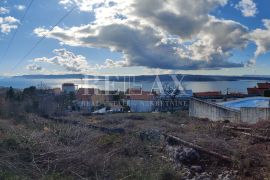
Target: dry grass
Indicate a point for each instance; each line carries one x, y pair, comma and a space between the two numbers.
45, 150
42, 149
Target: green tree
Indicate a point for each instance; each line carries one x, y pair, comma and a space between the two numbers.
267, 93
30, 92
10, 94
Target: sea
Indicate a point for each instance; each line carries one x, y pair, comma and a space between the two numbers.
223, 86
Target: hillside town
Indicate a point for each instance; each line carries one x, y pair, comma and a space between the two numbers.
91, 100
137, 100
182, 135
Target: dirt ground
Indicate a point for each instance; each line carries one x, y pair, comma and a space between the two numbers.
132, 146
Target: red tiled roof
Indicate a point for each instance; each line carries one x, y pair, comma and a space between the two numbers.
208, 94
264, 85
256, 91
87, 91
85, 94
138, 94
134, 91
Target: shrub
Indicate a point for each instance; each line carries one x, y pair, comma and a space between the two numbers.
267, 93
10, 144
8, 176
136, 117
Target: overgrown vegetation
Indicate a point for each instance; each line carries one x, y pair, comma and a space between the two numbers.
62, 151
16, 104
33, 146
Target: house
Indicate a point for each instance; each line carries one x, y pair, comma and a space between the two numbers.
99, 99
256, 91
57, 91
140, 101
263, 85
87, 91
259, 90
68, 88
84, 102
89, 99
84, 98
177, 100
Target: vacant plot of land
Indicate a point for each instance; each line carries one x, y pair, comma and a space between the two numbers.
132, 146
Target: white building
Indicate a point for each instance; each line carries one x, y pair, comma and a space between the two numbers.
140, 101
140, 105
68, 87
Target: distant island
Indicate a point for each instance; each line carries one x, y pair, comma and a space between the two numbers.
165, 77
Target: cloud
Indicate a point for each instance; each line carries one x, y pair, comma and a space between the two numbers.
217, 39
261, 37
247, 7
84, 5
73, 63
20, 7
251, 63
109, 63
177, 35
67, 60
8, 23
4, 10
180, 17
34, 67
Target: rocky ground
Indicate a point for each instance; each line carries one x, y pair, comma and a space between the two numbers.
132, 146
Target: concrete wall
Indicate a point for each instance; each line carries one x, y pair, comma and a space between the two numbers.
254, 115
211, 111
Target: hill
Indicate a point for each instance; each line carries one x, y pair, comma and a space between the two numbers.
166, 77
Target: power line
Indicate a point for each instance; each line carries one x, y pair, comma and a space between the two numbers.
15, 32
42, 38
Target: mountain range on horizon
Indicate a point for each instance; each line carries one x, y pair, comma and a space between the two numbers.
163, 77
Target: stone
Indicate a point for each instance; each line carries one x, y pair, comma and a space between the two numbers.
196, 169
150, 135
187, 155
227, 175
203, 176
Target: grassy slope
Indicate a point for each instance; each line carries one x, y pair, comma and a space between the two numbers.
38, 148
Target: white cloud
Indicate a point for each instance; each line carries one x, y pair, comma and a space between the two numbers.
159, 34
247, 7
84, 5
109, 63
20, 7
251, 63
217, 39
34, 67
179, 17
261, 37
8, 23
72, 63
4, 10
67, 60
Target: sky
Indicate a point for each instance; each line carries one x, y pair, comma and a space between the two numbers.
135, 37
